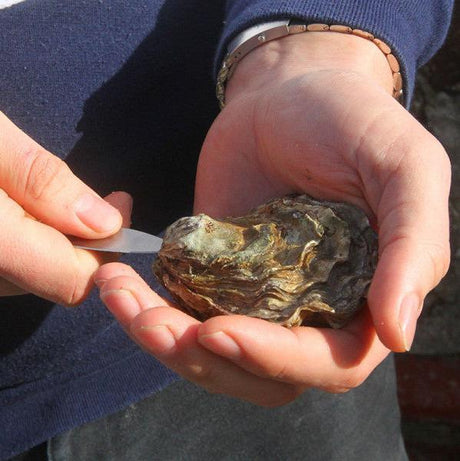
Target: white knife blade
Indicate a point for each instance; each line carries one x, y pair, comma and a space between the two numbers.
124, 241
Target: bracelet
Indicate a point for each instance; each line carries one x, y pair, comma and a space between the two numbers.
262, 33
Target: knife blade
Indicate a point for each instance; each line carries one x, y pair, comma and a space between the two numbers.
124, 241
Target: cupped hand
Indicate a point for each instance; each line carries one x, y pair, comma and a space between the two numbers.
338, 134
40, 202
300, 120
247, 358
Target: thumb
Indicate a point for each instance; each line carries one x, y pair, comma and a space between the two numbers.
46, 188
414, 243
123, 202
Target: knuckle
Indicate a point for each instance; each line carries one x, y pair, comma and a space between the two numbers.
77, 294
75, 291
45, 174
281, 374
72, 300
435, 146
444, 263
439, 256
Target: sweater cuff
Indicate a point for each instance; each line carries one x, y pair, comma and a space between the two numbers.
414, 29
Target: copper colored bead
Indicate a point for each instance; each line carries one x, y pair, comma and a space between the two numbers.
231, 61
397, 94
363, 34
394, 64
317, 27
382, 45
339, 28
397, 81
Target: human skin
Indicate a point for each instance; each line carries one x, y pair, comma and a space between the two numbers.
308, 113
41, 201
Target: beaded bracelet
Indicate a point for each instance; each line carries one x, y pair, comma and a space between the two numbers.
258, 35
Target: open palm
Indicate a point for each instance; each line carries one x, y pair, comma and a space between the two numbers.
315, 134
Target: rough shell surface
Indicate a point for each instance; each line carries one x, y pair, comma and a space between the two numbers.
293, 261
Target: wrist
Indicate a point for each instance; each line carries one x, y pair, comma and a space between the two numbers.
300, 54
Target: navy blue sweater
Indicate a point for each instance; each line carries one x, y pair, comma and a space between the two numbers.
124, 91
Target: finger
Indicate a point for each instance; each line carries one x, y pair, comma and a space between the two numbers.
88, 260
125, 292
114, 269
301, 357
123, 202
170, 335
40, 260
46, 188
317, 357
413, 239
405, 175
10, 289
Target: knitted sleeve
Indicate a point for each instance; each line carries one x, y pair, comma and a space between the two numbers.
414, 29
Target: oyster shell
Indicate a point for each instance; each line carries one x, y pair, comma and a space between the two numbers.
293, 261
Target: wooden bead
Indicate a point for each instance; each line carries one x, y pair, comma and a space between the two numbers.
363, 34
230, 62
397, 94
394, 64
342, 29
384, 48
317, 27
397, 81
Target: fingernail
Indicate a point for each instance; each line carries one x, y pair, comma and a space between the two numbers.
222, 344
408, 315
158, 339
99, 282
122, 303
96, 213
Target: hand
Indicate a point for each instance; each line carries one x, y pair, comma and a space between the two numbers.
247, 358
323, 122
304, 116
40, 201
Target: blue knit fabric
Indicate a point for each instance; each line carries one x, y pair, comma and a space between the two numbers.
414, 29
124, 92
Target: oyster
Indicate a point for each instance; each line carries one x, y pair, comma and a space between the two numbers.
293, 261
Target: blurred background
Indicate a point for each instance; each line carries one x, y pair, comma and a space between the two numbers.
429, 376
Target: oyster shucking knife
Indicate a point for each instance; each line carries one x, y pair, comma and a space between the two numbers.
124, 241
